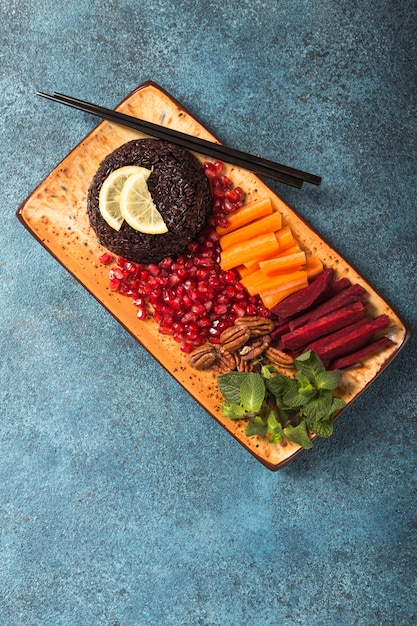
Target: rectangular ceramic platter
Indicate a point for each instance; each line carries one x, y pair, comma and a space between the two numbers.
55, 213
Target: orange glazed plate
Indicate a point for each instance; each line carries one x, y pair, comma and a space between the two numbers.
55, 213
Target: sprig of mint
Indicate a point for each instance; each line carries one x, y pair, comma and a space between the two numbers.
281, 407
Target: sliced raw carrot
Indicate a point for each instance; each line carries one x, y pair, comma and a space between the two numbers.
243, 271
247, 213
313, 267
254, 265
253, 281
258, 282
285, 238
248, 251
292, 250
267, 224
286, 263
273, 294
271, 300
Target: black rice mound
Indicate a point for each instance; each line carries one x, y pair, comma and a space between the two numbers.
179, 188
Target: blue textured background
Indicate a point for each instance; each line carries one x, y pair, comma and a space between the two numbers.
122, 503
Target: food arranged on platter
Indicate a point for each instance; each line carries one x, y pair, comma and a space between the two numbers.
192, 305
230, 283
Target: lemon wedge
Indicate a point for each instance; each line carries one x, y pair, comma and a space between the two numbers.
138, 208
109, 197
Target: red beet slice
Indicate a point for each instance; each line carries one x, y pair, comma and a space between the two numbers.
354, 293
280, 330
355, 358
336, 287
323, 326
304, 298
349, 339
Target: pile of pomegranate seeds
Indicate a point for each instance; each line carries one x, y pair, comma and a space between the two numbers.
191, 298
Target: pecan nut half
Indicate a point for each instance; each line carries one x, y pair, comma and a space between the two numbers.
226, 361
244, 366
203, 357
234, 337
278, 357
257, 325
255, 349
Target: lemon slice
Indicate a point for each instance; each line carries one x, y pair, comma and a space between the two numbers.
109, 197
138, 208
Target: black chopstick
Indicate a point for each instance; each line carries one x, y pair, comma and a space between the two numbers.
186, 141
281, 173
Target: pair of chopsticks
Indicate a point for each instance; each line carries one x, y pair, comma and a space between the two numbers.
275, 171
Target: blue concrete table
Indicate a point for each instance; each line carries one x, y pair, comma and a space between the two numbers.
122, 502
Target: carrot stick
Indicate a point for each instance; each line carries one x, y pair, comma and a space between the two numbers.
272, 295
286, 263
258, 282
313, 267
267, 224
248, 251
254, 265
271, 300
285, 238
247, 213
252, 282
243, 270
292, 250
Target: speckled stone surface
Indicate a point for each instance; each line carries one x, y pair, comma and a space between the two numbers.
122, 503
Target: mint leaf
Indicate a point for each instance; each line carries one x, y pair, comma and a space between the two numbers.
252, 392
274, 426
337, 404
276, 438
256, 426
233, 411
229, 386
267, 371
324, 428
298, 434
328, 380
318, 408
297, 396
309, 365
279, 386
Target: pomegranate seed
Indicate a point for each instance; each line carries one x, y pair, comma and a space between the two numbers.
131, 268
116, 273
166, 263
105, 258
165, 329
210, 170
154, 269
114, 284
220, 309
221, 221
189, 317
239, 310
218, 166
186, 347
225, 182
218, 192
